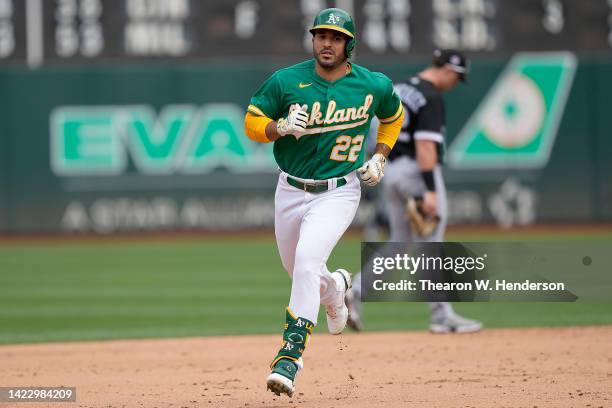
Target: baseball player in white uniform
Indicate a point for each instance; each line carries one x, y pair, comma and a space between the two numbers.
414, 171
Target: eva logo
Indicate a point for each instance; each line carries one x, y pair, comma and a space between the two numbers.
179, 139
333, 19
516, 124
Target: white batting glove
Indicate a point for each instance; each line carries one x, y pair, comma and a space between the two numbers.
373, 170
295, 123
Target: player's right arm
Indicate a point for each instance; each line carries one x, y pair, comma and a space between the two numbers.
263, 122
261, 128
263, 111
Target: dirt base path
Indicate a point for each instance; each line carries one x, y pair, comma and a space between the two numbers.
567, 367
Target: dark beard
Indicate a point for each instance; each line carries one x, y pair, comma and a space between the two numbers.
328, 66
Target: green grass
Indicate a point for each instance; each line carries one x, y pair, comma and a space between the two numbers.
134, 289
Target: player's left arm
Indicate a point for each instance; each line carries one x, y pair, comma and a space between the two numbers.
428, 134
390, 114
388, 131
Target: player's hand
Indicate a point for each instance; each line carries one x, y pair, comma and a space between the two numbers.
295, 123
430, 203
373, 170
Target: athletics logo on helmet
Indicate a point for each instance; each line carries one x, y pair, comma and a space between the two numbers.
338, 20
333, 19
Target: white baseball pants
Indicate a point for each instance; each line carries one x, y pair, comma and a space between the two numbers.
307, 227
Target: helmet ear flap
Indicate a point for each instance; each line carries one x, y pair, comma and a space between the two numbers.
350, 47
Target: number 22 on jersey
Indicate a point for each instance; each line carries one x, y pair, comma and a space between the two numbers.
344, 143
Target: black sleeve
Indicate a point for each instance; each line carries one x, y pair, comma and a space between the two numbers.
429, 124
430, 117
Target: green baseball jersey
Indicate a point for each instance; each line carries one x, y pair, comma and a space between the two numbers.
339, 112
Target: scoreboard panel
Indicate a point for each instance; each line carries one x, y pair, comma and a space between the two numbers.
38, 32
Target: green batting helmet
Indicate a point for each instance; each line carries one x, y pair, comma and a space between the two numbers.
338, 20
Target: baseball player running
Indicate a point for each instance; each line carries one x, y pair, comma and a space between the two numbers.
414, 191
318, 115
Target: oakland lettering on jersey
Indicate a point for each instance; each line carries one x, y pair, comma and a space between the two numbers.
333, 115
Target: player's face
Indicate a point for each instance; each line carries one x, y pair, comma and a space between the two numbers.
328, 48
450, 79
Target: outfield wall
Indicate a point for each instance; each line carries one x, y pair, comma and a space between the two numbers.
162, 147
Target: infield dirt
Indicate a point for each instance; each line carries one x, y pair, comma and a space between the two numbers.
540, 367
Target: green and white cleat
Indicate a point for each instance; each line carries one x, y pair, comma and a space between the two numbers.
282, 378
